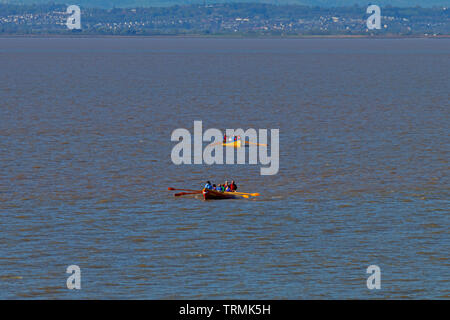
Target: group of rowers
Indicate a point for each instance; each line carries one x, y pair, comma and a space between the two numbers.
234, 138
226, 187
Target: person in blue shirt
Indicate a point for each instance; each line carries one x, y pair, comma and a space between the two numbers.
208, 185
214, 187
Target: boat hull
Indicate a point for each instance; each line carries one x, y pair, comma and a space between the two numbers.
216, 195
233, 144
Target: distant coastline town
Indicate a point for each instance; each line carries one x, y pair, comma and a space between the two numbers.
236, 19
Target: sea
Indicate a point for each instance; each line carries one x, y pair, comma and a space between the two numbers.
86, 163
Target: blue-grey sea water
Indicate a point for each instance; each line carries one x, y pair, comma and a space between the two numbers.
85, 163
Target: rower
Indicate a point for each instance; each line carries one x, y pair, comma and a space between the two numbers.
233, 186
208, 185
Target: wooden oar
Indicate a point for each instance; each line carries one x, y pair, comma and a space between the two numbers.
172, 189
199, 191
184, 193
258, 144
214, 144
250, 194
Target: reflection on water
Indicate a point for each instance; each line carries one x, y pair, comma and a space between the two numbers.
85, 163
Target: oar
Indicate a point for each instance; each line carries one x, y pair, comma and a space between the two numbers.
184, 193
250, 194
172, 189
214, 144
258, 144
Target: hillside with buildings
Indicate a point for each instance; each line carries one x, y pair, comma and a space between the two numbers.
244, 19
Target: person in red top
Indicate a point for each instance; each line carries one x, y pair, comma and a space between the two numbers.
233, 186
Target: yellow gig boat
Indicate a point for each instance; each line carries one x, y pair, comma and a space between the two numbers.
235, 144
